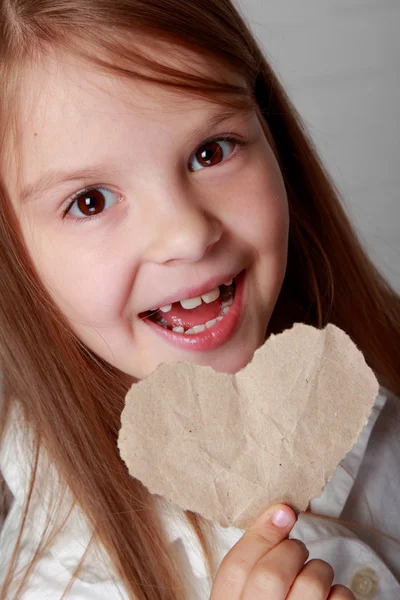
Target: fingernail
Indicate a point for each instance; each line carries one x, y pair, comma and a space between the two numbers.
282, 518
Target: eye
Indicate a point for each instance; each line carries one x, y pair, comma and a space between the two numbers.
212, 153
91, 202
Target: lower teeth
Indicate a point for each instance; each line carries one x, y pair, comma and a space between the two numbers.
208, 325
202, 327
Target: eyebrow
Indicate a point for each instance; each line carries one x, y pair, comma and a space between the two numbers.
238, 113
52, 178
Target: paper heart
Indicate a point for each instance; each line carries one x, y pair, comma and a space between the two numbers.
227, 446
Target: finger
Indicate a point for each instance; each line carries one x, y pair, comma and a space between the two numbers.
275, 573
266, 533
313, 582
340, 592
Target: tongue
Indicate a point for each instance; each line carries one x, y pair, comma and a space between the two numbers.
183, 317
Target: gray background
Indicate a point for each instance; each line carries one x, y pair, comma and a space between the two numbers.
340, 62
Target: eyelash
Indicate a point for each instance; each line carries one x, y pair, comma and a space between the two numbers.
239, 143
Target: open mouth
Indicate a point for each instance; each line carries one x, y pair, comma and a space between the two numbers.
195, 315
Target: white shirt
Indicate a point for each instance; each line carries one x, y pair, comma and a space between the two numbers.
365, 488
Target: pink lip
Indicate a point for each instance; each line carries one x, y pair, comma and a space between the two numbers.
211, 338
193, 292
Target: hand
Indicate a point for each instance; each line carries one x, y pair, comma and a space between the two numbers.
265, 565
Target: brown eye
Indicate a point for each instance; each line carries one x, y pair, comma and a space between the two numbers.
92, 202
212, 153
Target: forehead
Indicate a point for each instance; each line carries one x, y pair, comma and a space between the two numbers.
68, 108
69, 87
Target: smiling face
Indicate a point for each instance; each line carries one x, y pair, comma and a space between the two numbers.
176, 207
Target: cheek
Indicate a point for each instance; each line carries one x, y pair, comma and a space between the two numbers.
264, 223
89, 286
258, 209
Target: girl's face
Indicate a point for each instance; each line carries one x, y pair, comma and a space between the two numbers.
183, 197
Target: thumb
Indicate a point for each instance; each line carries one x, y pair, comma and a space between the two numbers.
265, 533
272, 526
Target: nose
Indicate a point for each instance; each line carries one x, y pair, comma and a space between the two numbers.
181, 229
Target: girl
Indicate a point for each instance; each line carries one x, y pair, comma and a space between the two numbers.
149, 156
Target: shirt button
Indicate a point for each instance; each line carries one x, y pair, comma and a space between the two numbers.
364, 584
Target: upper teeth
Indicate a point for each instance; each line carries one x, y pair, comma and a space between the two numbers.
207, 298
194, 302
166, 308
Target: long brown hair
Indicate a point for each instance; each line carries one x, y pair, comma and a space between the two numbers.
72, 399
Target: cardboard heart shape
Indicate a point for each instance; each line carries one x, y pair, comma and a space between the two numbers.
227, 446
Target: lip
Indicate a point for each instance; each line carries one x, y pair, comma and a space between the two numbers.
193, 292
212, 338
